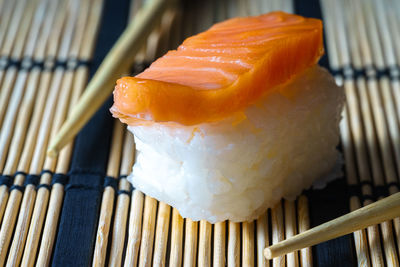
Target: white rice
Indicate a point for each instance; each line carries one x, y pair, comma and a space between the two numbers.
237, 169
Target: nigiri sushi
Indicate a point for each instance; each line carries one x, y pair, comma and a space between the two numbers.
236, 118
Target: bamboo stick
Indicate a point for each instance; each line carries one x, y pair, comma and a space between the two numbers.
117, 61
219, 244
160, 242
190, 246
8, 77
149, 221
107, 203
303, 219
119, 227
360, 237
175, 258
262, 239
374, 213
248, 244
123, 200
7, 11
278, 232
233, 244
9, 219
12, 114
134, 231
292, 259
204, 254
18, 26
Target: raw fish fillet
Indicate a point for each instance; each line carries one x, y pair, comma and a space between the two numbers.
220, 71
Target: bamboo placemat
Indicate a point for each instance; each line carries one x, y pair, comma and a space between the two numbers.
79, 209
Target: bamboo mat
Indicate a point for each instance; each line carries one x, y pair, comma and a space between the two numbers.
79, 209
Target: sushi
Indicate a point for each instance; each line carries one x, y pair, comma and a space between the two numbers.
236, 118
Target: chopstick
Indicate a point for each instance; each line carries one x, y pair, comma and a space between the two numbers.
117, 61
377, 212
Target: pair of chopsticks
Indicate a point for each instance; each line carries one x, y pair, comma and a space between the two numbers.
120, 59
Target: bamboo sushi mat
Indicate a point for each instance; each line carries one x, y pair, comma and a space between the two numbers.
79, 209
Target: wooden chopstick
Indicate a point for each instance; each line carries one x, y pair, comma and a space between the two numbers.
380, 211
117, 61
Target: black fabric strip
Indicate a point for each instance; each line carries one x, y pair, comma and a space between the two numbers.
26, 64
368, 183
74, 63
17, 187
59, 178
368, 72
139, 67
32, 179
396, 184
20, 173
13, 63
46, 171
123, 176
125, 192
380, 191
3, 62
6, 180
79, 216
60, 64
50, 63
354, 190
47, 186
111, 181
336, 72
369, 197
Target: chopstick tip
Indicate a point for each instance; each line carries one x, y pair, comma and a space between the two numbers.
268, 253
52, 152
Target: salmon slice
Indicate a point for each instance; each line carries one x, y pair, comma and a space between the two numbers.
221, 71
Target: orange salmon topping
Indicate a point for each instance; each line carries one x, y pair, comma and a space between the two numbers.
221, 71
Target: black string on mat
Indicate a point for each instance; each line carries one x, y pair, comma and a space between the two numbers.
6, 180
47, 186
20, 188
368, 72
32, 179
395, 184
60, 178
124, 192
111, 181
50, 63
